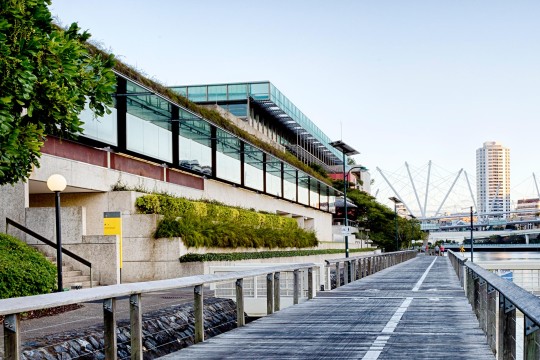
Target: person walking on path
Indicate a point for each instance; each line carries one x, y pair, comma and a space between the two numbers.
437, 250
442, 250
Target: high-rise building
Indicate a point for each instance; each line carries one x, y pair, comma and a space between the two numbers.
493, 178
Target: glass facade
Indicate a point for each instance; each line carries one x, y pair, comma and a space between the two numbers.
167, 133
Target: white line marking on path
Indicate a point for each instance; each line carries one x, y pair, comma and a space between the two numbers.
380, 342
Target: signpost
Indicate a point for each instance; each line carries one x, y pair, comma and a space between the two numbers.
112, 225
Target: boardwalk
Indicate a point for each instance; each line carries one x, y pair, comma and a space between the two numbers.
414, 310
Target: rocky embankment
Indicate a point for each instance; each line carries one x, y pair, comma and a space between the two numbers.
165, 331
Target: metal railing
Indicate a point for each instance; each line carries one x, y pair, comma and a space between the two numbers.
357, 267
50, 243
12, 308
499, 322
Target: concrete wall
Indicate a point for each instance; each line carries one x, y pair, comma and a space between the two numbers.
13, 201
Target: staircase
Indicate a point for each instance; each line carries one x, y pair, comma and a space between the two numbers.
73, 279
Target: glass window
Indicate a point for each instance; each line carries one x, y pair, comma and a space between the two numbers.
289, 183
313, 193
239, 110
217, 93
324, 197
259, 91
303, 188
197, 93
238, 92
104, 128
148, 125
195, 148
273, 176
253, 167
228, 157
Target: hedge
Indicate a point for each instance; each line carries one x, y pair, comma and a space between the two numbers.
261, 255
23, 270
212, 224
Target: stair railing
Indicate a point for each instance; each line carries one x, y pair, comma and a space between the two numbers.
50, 243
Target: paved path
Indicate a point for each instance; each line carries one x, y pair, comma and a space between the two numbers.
414, 310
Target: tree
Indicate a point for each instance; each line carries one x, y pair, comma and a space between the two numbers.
47, 75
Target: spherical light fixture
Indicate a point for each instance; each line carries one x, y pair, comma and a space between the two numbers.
56, 183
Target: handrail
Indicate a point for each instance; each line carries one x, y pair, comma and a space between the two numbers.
48, 242
333, 261
12, 308
482, 287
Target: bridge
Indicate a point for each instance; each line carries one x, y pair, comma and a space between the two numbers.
391, 306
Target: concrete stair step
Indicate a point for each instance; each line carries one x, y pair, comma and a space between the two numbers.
75, 279
80, 285
71, 273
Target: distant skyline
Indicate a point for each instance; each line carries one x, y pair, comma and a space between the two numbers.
408, 80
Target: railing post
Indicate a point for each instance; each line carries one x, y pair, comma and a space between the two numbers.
296, 286
482, 305
338, 275
328, 279
135, 319
491, 318
12, 337
109, 331
198, 313
269, 294
530, 340
361, 268
346, 268
240, 316
368, 272
357, 269
507, 329
277, 292
310, 283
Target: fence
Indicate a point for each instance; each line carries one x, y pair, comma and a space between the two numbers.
357, 267
485, 291
12, 308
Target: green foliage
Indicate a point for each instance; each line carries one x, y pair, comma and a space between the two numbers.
380, 219
212, 224
23, 270
46, 76
261, 255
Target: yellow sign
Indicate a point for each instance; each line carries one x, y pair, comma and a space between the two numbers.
462, 249
112, 225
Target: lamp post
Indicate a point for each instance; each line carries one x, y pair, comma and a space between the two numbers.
346, 150
472, 240
57, 183
396, 201
413, 218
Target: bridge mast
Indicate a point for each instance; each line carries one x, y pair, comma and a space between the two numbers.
427, 189
470, 190
536, 184
394, 190
448, 193
414, 188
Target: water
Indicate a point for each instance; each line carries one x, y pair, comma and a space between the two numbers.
504, 255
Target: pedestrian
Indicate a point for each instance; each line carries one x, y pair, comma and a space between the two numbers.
427, 249
442, 250
437, 250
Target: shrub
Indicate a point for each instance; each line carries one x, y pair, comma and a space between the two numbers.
212, 224
23, 270
261, 255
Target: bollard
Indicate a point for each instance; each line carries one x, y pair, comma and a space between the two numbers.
311, 293
276, 292
296, 286
338, 275
198, 313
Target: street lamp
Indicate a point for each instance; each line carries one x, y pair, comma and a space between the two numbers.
396, 201
472, 240
413, 218
346, 150
57, 183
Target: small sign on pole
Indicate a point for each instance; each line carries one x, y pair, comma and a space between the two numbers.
346, 230
112, 225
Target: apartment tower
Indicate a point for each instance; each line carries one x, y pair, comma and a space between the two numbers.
493, 179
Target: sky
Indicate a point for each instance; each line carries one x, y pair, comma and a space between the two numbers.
398, 80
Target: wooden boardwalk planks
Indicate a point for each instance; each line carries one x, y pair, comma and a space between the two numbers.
378, 317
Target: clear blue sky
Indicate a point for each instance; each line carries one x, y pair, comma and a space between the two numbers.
408, 80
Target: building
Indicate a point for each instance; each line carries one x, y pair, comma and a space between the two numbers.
528, 208
269, 115
155, 141
493, 179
